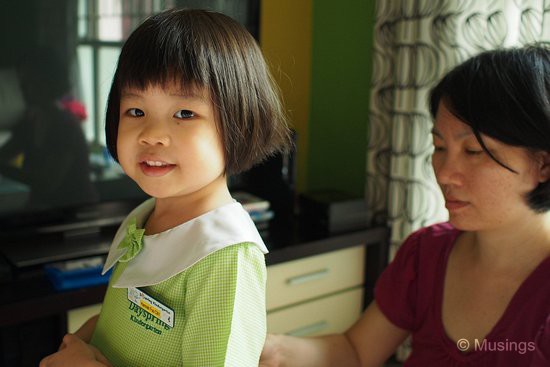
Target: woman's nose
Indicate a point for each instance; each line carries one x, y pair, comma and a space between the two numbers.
448, 171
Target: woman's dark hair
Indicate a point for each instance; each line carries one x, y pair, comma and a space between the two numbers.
204, 50
503, 94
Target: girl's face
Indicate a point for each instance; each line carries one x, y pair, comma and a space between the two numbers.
479, 193
168, 141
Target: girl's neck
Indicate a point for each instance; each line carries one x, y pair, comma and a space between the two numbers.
173, 211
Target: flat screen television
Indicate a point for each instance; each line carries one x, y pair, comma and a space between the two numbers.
57, 182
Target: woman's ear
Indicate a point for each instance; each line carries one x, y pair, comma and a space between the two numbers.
544, 165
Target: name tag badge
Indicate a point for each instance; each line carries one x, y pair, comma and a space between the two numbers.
151, 305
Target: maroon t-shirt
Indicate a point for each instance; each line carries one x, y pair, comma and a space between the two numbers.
410, 294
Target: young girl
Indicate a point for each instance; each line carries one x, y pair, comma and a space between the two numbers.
475, 291
191, 102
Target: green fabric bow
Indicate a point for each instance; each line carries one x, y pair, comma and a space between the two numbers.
133, 241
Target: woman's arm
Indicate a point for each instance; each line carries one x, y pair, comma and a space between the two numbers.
370, 342
289, 351
87, 329
375, 338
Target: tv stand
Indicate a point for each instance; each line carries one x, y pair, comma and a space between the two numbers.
36, 252
38, 313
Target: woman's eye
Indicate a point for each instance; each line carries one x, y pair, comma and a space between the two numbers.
135, 112
473, 152
439, 149
184, 114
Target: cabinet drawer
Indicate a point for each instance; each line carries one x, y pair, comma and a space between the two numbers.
314, 276
332, 314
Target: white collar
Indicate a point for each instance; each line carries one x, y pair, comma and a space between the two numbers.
168, 253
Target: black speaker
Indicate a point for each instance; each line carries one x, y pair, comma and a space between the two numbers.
273, 180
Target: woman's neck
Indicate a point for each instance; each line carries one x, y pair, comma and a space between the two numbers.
526, 242
173, 211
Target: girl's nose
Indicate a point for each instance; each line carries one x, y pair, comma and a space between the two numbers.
154, 133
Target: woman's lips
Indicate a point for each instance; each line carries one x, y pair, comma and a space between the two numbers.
455, 204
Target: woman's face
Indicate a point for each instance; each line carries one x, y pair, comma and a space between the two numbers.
479, 193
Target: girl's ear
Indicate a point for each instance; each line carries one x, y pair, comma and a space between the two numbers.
544, 166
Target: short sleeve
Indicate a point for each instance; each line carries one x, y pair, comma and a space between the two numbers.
541, 354
225, 309
396, 289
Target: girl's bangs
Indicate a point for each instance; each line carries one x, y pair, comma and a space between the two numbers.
161, 59
142, 75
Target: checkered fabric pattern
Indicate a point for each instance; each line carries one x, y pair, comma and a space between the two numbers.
219, 315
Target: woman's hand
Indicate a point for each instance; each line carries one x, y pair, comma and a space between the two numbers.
75, 352
369, 342
270, 355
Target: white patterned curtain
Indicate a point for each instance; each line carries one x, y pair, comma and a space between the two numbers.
415, 43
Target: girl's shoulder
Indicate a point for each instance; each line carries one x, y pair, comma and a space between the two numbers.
232, 257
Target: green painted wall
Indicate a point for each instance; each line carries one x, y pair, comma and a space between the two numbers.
339, 102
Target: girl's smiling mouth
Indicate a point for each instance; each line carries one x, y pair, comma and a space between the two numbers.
155, 168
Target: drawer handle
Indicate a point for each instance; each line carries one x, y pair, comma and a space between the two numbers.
309, 329
300, 279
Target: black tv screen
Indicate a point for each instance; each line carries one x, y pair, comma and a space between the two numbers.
58, 58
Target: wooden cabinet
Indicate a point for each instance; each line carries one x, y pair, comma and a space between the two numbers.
316, 295
331, 314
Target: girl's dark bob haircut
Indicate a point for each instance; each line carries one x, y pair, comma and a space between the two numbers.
201, 51
503, 94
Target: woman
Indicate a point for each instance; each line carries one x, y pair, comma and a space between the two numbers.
474, 291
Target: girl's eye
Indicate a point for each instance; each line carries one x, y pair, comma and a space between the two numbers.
438, 149
135, 112
184, 114
473, 152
